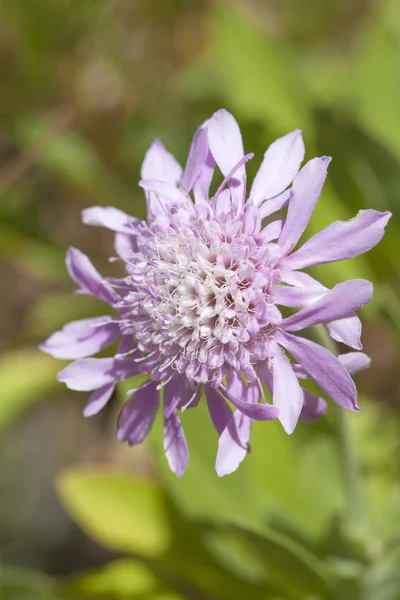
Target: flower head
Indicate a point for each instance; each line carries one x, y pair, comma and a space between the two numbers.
198, 310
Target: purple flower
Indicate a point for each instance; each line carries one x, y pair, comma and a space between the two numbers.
198, 308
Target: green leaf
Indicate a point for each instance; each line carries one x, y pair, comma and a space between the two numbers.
282, 478
70, 156
124, 513
200, 492
31, 257
376, 435
295, 479
194, 560
25, 376
256, 74
373, 82
120, 579
21, 584
51, 312
331, 208
383, 581
290, 567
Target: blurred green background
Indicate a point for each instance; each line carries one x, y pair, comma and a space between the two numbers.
86, 86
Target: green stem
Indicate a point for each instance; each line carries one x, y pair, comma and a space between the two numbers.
350, 464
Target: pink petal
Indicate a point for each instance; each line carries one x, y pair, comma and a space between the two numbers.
341, 240
342, 300
138, 414
88, 278
175, 445
323, 367
305, 192
281, 163
287, 393
80, 339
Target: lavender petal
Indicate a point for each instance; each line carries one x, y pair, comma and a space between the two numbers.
339, 302
197, 158
271, 206
354, 362
225, 142
233, 444
287, 393
174, 392
160, 164
138, 414
80, 339
306, 189
98, 400
323, 367
175, 445
313, 408
218, 408
88, 278
109, 217
341, 240
250, 405
347, 331
280, 165
88, 374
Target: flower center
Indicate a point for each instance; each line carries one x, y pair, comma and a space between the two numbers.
200, 298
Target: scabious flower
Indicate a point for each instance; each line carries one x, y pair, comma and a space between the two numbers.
198, 308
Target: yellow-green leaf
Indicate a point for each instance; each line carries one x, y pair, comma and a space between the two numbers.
123, 578
123, 513
25, 375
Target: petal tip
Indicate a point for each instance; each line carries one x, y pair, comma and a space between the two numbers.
220, 114
222, 470
120, 435
44, 348
180, 472
87, 412
62, 376
85, 214
289, 429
